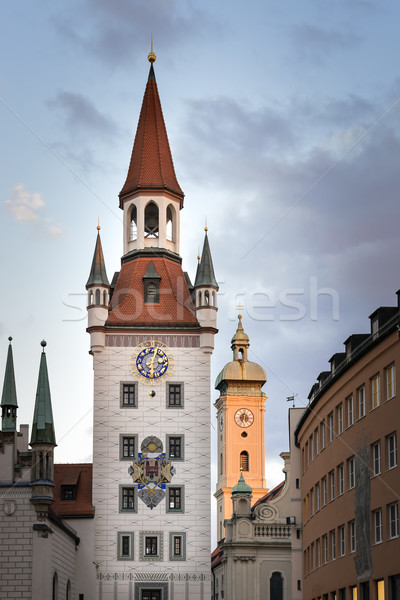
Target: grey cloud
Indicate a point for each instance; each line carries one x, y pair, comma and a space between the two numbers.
316, 43
81, 116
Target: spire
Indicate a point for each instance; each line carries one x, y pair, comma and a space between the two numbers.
98, 274
205, 270
151, 166
43, 424
9, 397
240, 342
241, 487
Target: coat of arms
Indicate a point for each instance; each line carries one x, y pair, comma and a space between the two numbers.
151, 473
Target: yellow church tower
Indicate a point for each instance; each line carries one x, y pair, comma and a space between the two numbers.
240, 414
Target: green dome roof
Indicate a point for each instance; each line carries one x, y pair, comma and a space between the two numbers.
241, 487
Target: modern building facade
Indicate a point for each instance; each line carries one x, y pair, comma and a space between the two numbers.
259, 531
151, 337
350, 483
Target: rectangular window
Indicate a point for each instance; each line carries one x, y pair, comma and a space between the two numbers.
353, 593
127, 498
68, 492
352, 536
317, 497
380, 589
352, 472
312, 556
333, 544
316, 442
378, 526
390, 382
175, 498
375, 397
325, 549
125, 545
349, 410
323, 433
339, 411
324, 491
311, 446
306, 462
177, 543
175, 395
392, 450
128, 395
330, 426
361, 402
151, 546
175, 447
312, 501
341, 479
332, 484
128, 445
376, 458
393, 520
318, 552
342, 540
342, 594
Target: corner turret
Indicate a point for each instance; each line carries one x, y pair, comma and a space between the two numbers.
98, 288
9, 397
205, 295
43, 442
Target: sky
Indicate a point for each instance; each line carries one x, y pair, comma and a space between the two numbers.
284, 126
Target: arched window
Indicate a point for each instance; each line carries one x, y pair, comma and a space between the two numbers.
68, 593
220, 464
90, 297
151, 220
133, 224
170, 225
97, 296
244, 461
214, 299
199, 299
55, 587
240, 353
105, 298
207, 297
276, 586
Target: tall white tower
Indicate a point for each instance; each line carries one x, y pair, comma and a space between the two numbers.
151, 360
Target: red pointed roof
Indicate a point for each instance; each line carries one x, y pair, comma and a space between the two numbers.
151, 167
175, 307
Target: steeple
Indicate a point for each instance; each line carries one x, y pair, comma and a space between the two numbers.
43, 424
151, 167
240, 342
98, 274
9, 397
205, 270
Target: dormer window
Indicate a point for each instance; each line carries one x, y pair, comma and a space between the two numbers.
68, 492
151, 282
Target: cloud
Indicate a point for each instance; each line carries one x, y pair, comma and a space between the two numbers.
81, 116
26, 207
316, 43
23, 204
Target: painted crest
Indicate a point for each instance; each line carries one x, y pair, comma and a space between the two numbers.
9, 507
151, 473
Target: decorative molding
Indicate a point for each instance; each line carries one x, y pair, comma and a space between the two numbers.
154, 577
173, 341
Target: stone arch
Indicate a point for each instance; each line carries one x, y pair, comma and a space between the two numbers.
151, 220
276, 586
133, 223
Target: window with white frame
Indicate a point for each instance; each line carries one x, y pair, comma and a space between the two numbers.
390, 382
324, 491
332, 484
125, 545
352, 536
341, 479
333, 544
323, 441
376, 458
330, 426
339, 411
342, 540
349, 411
312, 556
361, 402
312, 501
375, 394
393, 520
378, 525
311, 447
392, 450
352, 472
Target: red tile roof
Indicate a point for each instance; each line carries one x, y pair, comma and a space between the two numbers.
79, 474
217, 554
151, 166
175, 307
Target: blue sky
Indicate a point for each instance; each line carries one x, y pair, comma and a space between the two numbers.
283, 122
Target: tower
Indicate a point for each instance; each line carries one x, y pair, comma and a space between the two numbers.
151, 350
9, 403
240, 415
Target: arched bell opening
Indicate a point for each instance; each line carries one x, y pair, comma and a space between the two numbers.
133, 224
151, 221
97, 297
105, 298
170, 230
207, 297
244, 461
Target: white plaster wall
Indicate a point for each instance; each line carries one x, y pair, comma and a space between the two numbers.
63, 560
192, 367
85, 571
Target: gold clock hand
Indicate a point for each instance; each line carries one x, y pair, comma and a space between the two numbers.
152, 363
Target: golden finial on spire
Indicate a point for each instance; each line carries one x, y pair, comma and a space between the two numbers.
198, 254
98, 224
151, 56
205, 226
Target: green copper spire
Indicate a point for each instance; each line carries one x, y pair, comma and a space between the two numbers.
9, 397
98, 274
205, 270
241, 487
43, 424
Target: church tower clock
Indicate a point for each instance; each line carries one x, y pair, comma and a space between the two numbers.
240, 415
152, 335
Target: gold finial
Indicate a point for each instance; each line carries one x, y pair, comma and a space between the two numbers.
205, 227
98, 224
198, 254
151, 56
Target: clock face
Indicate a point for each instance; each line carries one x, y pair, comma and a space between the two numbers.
244, 417
152, 361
